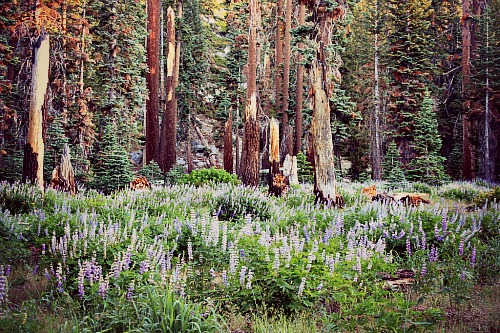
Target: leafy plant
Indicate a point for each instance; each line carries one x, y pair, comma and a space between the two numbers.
209, 176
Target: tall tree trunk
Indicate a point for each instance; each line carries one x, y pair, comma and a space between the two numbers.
168, 138
300, 87
250, 172
34, 149
228, 143
278, 79
325, 183
376, 132
287, 141
488, 175
152, 79
177, 62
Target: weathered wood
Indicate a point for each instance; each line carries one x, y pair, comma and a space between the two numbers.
278, 183
325, 182
299, 92
34, 149
63, 176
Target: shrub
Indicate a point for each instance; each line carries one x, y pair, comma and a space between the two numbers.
19, 199
213, 175
238, 202
175, 175
484, 198
152, 172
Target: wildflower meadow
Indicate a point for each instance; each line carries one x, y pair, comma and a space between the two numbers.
226, 258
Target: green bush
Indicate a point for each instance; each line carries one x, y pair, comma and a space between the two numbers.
19, 199
152, 172
461, 193
488, 197
239, 202
175, 175
213, 175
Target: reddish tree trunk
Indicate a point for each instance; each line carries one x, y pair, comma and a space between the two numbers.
250, 170
228, 143
169, 122
278, 80
152, 79
300, 88
287, 141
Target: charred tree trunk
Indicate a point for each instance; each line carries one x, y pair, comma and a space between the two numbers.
63, 176
34, 149
168, 138
250, 170
228, 143
152, 80
300, 87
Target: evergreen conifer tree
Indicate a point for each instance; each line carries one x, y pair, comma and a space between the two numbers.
393, 171
428, 164
113, 170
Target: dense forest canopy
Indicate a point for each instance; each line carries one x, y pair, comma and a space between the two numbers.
410, 82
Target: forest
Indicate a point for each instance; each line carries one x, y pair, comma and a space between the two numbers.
249, 165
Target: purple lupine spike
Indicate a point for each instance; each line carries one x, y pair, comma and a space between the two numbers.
473, 257
423, 271
461, 248
408, 246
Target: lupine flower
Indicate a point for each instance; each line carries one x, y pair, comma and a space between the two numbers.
130, 291
3, 286
190, 250
301, 286
433, 255
249, 279
473, 257
423, 271
462, 275
408, 246
242, 275
461, 248
319, 287
103, 287
224, 278
81, 281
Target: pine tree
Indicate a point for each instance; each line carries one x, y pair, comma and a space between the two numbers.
393, 171
428, 165
113, 169
410, 65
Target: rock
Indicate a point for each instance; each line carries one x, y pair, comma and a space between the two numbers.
136, 157
181, 161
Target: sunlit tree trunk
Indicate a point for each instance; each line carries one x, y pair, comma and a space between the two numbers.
168, 138
152, 79
250, 172
34, 148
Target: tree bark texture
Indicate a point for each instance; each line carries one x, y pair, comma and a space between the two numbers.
250, 169
152, 79
375, 124
34, 149
325, 184
278, 79
168, 138
287, 140
299, 93
228, 143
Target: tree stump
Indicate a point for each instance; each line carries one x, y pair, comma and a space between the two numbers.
63, 176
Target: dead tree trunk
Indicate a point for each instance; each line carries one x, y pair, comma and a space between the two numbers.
168, 138
278, 184
228, 143
325, 183
152, 80
250, 172
34, 149
63, 176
